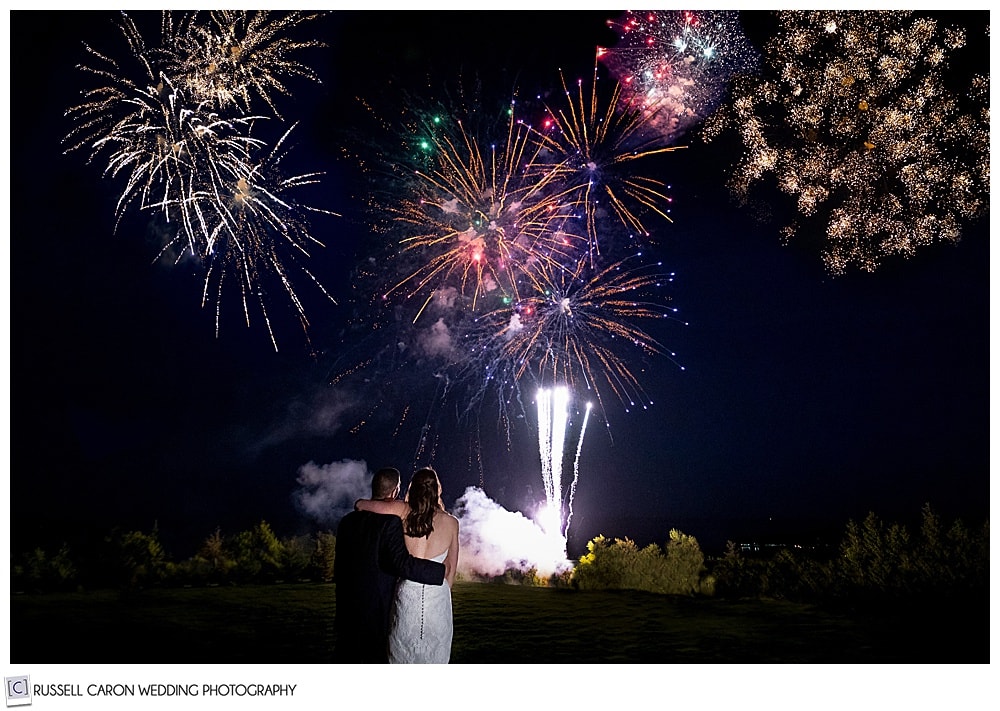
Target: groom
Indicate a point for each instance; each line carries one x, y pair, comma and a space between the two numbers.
370, 555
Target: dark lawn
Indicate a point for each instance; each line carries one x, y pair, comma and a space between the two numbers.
293, 623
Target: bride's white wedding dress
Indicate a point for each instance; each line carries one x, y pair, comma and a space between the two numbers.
421, 628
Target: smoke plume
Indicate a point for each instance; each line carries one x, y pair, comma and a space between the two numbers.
494, 540
327, 492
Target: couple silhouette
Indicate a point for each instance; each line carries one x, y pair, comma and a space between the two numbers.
394, 566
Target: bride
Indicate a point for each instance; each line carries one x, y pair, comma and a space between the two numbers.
421, 628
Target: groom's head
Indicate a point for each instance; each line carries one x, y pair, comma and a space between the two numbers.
385, 483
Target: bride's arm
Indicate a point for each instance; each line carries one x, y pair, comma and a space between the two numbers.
451, 560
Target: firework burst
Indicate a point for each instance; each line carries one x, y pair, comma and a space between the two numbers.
595, 150
169, 151
250, 225
480, 213
484, 207
675, 64
185, 152
854, 120
235, 56
582, 327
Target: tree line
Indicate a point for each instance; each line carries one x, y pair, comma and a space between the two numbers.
875, 561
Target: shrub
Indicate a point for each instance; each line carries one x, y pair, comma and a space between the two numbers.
518, 576
621, 564
137, 559
211, 564
323, 555
605, 565
214, 559
737, 575
296, 555
876, 559
685, 564
39, 571
793, 574
707, 585
258, 554
562, 580
949, 560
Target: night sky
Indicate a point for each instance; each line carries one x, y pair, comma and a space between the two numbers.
804, 400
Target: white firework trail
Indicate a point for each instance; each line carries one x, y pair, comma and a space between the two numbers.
553, 424
576, 468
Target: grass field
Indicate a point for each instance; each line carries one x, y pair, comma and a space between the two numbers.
293, 623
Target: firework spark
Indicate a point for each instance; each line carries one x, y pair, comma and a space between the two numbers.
853, 118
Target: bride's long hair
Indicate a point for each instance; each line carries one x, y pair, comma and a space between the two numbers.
423, 496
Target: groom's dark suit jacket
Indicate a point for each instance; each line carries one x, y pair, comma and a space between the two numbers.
370, 556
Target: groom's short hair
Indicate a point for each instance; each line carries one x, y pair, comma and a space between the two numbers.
385, 482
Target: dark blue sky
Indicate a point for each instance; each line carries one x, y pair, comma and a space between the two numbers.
805, 400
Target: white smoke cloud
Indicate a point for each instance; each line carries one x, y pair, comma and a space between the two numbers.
322, 412
327, 492
488, 283
436, 340
514, 326
327, 412
445, 298
493, 540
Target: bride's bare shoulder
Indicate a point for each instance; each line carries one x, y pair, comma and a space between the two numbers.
445, 519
